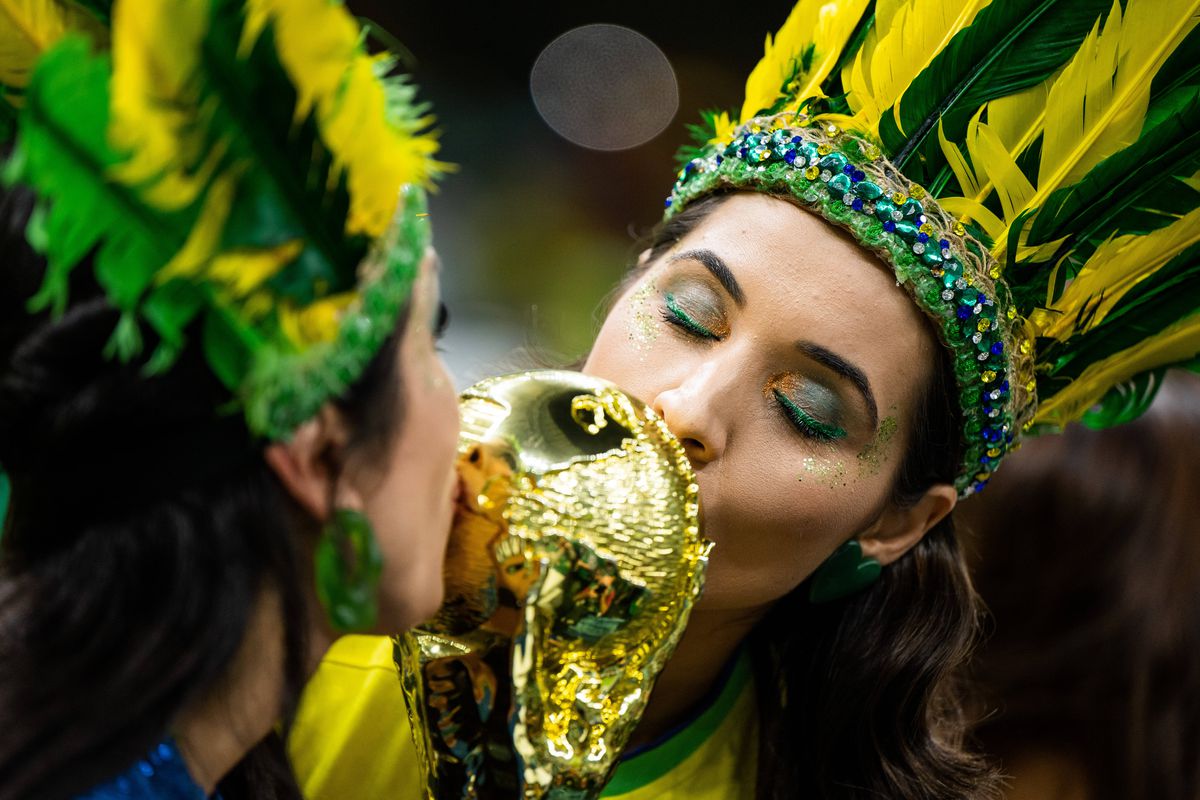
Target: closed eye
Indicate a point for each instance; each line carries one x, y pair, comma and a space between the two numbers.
675, 315
806, 423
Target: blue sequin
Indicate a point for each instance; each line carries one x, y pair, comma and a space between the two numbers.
889, 226
857, 205
161, 775
848, 169
790, 157
943, 243
922, 237
997, 348
858, 175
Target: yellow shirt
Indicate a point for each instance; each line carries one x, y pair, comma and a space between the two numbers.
351, 739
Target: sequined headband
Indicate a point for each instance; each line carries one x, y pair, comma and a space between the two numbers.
948, 273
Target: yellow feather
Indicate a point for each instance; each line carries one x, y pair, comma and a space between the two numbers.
1117, 266
912, 35
1177, 343
155, 51
315, 323
1097, 104
1017, 119
989, 155
966, 209
31, 27
826, 25
243, 272
319, 45
963, 172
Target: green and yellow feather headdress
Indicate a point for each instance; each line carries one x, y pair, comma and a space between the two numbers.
240, 168
1029, 168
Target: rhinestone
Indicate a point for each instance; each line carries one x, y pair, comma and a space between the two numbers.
946, 252
811, 173
982, 356
960, 284
959, 229
919, 248
1026, 346
897, 215
976, 337
988, 376
984, 324
868, 208
994, 394
899, 198
824, 149
832, 131
947, 295
1012, 313
848, 198
826, 175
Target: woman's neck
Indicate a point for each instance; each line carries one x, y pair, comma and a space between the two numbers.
219, 729
707, 646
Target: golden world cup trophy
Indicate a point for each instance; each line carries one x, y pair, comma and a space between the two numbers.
570, 574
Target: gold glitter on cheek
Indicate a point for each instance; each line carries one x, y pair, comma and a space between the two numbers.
875, 454
643, 328
826, 473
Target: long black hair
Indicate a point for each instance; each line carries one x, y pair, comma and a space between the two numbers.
863, 697
144, 528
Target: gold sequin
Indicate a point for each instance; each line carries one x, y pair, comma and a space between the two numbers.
812, 173
988, 375
824, 149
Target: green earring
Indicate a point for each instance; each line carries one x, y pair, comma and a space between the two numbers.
845, 572
348, 565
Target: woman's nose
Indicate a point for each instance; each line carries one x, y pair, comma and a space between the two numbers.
688, 408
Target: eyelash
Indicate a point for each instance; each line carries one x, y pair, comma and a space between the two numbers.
805, 423
676, 316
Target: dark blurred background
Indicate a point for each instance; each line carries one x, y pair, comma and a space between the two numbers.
534, 230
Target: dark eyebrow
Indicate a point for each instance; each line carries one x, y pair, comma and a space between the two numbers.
719, 270
845, 369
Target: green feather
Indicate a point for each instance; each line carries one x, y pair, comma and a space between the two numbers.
60, 156
1010, 46
1151, 306
1113, 198
700, 134
1125, 401
288, 194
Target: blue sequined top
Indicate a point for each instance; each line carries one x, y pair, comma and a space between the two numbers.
160, 775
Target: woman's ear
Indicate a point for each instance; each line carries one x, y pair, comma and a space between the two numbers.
899, 529
311, 461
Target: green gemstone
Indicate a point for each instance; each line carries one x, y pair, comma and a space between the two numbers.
839, 185
931, 257
884, 209
911, 208
867, 190
970, 297
907, 229
834, 162
809, 151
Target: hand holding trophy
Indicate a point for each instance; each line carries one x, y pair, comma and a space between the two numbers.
574, 563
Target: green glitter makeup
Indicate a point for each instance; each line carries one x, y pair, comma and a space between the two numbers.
827, 473
874, 455
808, 424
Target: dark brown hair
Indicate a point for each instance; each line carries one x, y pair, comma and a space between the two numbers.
144, 526
1089, 559
861, 698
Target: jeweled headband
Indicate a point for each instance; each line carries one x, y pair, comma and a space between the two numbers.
1044, 220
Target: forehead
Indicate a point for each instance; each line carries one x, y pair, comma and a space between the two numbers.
807, 280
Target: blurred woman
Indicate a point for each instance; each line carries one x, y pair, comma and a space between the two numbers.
229, 435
